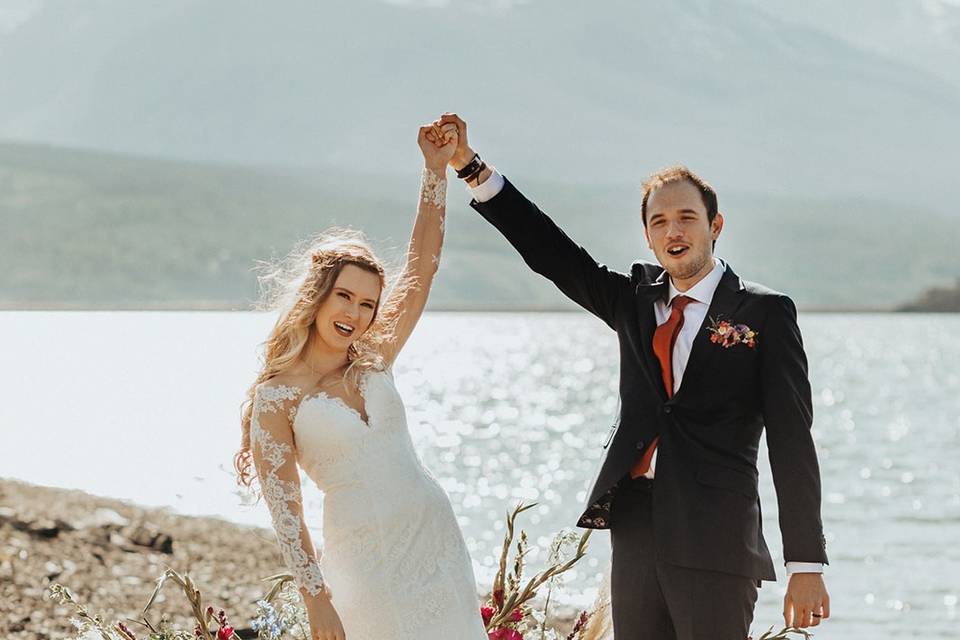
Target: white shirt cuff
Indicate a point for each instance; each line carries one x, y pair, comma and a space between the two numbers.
488, 189
804, 567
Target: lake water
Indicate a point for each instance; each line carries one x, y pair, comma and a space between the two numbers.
507, 407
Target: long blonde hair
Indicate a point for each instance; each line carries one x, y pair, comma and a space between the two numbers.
297, 286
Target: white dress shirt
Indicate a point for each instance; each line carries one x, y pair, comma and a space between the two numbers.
701, 295
693, 315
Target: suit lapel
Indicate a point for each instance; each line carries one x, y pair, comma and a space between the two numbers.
647, 295
726, 300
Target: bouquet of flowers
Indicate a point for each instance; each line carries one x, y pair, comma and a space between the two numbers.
280, 614
507, 615
91, 627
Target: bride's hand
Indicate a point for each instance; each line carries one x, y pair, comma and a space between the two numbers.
438, 142
324, 621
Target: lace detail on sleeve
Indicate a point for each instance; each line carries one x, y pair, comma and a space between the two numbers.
433, 188
271, 440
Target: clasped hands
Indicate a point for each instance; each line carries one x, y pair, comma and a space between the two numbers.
444, 141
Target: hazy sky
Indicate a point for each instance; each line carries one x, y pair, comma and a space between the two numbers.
854, 96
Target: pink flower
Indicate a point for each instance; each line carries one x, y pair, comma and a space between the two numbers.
225, 633
487, 613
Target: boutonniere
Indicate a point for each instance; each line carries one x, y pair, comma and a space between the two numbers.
728, 334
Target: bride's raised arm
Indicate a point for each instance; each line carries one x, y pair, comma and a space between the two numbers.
426, 241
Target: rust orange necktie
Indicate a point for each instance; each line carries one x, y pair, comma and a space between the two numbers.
663, 340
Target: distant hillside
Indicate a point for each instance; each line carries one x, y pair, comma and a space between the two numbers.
938, 299
100, 230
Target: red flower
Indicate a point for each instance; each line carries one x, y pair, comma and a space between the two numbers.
498, 597
517, 615
581, 623
505, 634
225, 633
487, 613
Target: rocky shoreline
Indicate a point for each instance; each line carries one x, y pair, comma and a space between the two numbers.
109, 553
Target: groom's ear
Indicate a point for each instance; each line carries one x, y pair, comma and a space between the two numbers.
647, 236
717, 225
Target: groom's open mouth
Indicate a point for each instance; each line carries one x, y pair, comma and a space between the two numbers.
678, 250
343, 329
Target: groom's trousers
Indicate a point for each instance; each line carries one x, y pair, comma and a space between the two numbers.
653, 600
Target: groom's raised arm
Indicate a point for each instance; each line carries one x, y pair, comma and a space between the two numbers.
548, 250
541, 243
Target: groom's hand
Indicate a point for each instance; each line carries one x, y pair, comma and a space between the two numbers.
806, 602
464, 154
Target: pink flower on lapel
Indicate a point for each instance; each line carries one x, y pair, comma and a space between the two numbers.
728, 334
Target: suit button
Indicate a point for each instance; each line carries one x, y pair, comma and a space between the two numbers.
667, 409
640, 445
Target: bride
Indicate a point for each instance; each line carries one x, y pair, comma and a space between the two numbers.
394, 563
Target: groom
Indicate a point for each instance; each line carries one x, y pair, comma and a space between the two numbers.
707, 361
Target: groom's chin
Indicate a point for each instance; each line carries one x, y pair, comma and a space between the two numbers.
681, 271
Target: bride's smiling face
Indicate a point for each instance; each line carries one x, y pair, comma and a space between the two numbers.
350, 308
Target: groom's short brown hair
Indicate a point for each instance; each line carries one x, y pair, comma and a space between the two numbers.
676, 173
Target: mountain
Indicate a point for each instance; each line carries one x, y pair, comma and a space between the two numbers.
759, 98
921, 33
98, 230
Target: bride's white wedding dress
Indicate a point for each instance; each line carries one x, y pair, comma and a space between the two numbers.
393, 554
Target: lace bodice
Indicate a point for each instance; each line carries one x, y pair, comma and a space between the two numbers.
337, 448
391, 540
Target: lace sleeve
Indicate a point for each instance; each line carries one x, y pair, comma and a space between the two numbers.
271, 440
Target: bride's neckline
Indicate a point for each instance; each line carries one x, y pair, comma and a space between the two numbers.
340, 402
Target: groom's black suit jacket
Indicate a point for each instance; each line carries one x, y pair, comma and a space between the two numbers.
706, 508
